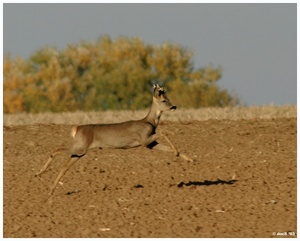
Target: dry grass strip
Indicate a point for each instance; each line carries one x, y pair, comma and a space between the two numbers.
181, 115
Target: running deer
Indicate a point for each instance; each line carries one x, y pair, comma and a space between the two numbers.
124, 135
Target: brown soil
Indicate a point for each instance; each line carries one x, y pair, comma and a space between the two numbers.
242, 184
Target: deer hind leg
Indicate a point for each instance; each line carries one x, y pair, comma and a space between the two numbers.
62, 172
77, 151
52, 156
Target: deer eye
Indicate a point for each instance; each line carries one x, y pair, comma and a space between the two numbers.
164, 101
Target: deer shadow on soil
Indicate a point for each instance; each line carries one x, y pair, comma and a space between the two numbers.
206, 183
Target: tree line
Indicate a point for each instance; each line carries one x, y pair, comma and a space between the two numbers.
109, 74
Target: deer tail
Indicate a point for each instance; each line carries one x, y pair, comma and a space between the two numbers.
74, 131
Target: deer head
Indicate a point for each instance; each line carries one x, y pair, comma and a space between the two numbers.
161, 99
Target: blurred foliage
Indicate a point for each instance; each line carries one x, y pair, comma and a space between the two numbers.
108, 74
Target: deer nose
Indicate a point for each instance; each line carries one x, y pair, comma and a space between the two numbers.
173, 108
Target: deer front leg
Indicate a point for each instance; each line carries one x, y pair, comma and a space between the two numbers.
172, 148
185, 157
157, 146
150, 139
170, 143
151, 143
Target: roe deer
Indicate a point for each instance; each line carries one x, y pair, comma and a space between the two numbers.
127, 134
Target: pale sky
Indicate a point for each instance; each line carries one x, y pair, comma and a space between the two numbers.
255, 44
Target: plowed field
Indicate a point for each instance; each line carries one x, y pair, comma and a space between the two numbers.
241, 184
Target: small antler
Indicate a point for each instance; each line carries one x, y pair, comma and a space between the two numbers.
156, 86
159, 88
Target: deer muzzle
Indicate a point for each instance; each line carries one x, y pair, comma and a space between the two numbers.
173, 108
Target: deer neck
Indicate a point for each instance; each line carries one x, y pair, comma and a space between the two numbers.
153, 116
